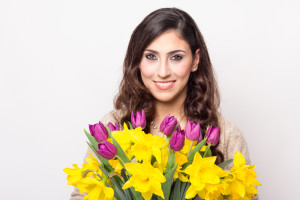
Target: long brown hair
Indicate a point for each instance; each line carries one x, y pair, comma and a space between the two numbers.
203, 97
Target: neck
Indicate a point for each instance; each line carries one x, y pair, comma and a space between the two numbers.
174, 108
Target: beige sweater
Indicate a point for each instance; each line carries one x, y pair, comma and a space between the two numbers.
231, 140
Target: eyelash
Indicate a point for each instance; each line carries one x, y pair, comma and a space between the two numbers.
147, 56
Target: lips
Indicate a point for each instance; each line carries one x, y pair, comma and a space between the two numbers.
164, 85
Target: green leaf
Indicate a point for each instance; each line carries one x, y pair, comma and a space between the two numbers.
137, 195
225, 163
166, 186
120, 153
91, 139
184, 189
209, 153
130, 125
108, 131
123, 174
175, 127
153, 159
128, 193
206, 150
176, 189
118, 191
196, 149
171, 160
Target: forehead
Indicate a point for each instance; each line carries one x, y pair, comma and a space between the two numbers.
169, 41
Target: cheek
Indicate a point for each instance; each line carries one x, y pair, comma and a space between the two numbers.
147, 71
182, 71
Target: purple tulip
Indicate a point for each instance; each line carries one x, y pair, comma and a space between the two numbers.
139, 120
113, 127
192, 131
200, 138
99, 132
177, 140
214, 136
208, 131
168, 124
107, 150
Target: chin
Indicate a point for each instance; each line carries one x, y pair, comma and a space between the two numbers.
164, 97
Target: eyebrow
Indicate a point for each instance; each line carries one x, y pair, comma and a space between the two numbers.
171, 52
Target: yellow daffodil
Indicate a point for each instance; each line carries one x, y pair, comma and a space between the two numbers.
145, 178
180, 159
124, 137
205, 178
96, 189
92, 161
146, 145
243, 179
164, 160
116, 165
93, 164
76, 174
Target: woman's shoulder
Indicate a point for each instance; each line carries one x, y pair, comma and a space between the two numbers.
228, 128
231, 139
112, 116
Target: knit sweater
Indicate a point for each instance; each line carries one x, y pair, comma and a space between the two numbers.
231, 140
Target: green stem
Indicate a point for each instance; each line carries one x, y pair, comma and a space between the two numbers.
192, 142
112, 174
121, 161
206, 150
105, 179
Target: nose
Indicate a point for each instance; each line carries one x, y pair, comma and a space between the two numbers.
164, 71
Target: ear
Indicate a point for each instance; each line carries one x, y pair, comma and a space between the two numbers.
196, 59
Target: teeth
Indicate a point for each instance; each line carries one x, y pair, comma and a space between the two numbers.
164, 84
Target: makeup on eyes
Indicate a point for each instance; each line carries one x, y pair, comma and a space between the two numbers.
149, 55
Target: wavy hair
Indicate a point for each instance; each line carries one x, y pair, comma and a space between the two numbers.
203, 99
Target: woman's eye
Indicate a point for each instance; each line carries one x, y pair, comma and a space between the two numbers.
176, 57
151, 57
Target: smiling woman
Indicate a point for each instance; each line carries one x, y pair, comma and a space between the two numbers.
167, 70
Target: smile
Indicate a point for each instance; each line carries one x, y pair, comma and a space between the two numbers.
164, 85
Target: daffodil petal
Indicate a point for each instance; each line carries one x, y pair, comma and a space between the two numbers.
191, 192
182, 177
238, 159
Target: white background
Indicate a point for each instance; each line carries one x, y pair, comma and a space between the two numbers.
61, 63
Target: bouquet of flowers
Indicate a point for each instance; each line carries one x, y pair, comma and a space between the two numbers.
136, 165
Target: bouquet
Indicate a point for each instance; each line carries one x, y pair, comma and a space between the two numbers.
136, 165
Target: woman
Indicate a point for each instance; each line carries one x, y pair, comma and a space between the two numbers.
167, 70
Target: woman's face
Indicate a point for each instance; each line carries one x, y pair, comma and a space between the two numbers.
166, 66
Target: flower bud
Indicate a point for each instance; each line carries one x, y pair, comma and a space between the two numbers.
177, 140
168, 124
99, 132
139, 120
113, 127
214, 136
208, 131
200, 138
107, 150
192, 131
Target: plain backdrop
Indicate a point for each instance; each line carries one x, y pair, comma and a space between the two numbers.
61, 64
